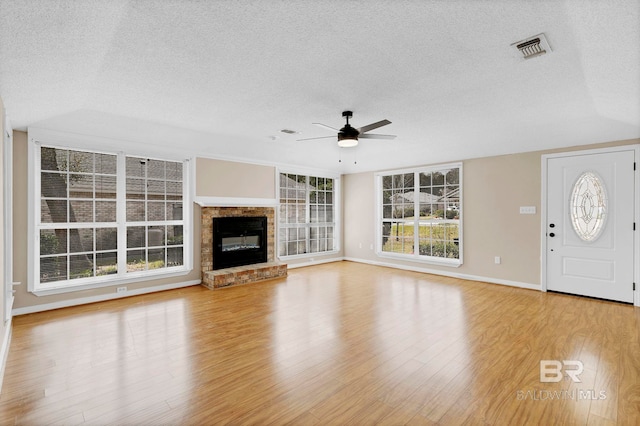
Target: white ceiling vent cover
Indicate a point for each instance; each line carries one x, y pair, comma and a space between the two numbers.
532, 47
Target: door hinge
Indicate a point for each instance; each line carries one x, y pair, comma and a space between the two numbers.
634, 226
634, 286
634, 165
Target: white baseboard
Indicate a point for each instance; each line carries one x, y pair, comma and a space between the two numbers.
314, 262
110, 296
100, 298
449, 274
4, 351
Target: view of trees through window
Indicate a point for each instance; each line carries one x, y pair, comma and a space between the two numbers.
422, 209
78, 223
306, 221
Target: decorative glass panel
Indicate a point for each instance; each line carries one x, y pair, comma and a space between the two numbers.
588, 206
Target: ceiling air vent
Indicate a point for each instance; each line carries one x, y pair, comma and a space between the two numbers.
289, 131
532, 47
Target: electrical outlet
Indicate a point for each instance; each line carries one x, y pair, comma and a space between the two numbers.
497, 260
121, 290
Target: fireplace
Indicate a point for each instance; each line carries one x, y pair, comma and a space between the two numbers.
243, 274
239, 241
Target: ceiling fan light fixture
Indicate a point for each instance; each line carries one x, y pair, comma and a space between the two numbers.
347, 141
348, 136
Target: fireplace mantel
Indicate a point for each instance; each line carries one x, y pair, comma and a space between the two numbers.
235, 202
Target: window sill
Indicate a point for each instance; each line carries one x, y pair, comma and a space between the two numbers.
108, 281
453, 263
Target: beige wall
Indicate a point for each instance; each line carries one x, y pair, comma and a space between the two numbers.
23, 298
219, 178
494, 188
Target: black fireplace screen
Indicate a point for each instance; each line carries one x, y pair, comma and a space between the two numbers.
239, 241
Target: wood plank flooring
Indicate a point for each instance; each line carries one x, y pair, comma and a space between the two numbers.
334, 344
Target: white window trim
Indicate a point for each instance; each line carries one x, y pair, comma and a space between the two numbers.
416, 257
36, 137
337, 219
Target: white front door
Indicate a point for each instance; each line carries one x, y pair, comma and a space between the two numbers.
590, 224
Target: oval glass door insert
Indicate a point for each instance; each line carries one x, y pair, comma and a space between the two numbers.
588, 206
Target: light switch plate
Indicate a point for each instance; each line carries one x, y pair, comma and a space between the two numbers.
527, 209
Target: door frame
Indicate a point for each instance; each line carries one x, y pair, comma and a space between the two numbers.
7, 195
543, 211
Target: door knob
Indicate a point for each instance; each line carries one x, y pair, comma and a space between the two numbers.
552, 225
552, 234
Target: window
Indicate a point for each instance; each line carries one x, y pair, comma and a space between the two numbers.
104, 217
154, 214
419, 214
306, 223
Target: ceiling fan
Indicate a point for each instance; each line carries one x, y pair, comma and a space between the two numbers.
348, 135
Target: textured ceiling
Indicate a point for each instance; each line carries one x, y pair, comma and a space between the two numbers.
222, 78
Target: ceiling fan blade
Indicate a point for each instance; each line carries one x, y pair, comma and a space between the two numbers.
321, 137
373, 126
374, 136
326, 127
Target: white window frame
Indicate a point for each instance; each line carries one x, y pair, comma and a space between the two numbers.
41, 137
416, 257
337, 223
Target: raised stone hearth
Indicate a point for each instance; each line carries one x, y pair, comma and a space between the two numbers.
243, 274
213, 279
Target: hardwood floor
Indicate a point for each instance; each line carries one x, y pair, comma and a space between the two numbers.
340, 343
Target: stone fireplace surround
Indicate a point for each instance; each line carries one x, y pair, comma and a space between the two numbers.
239, 274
